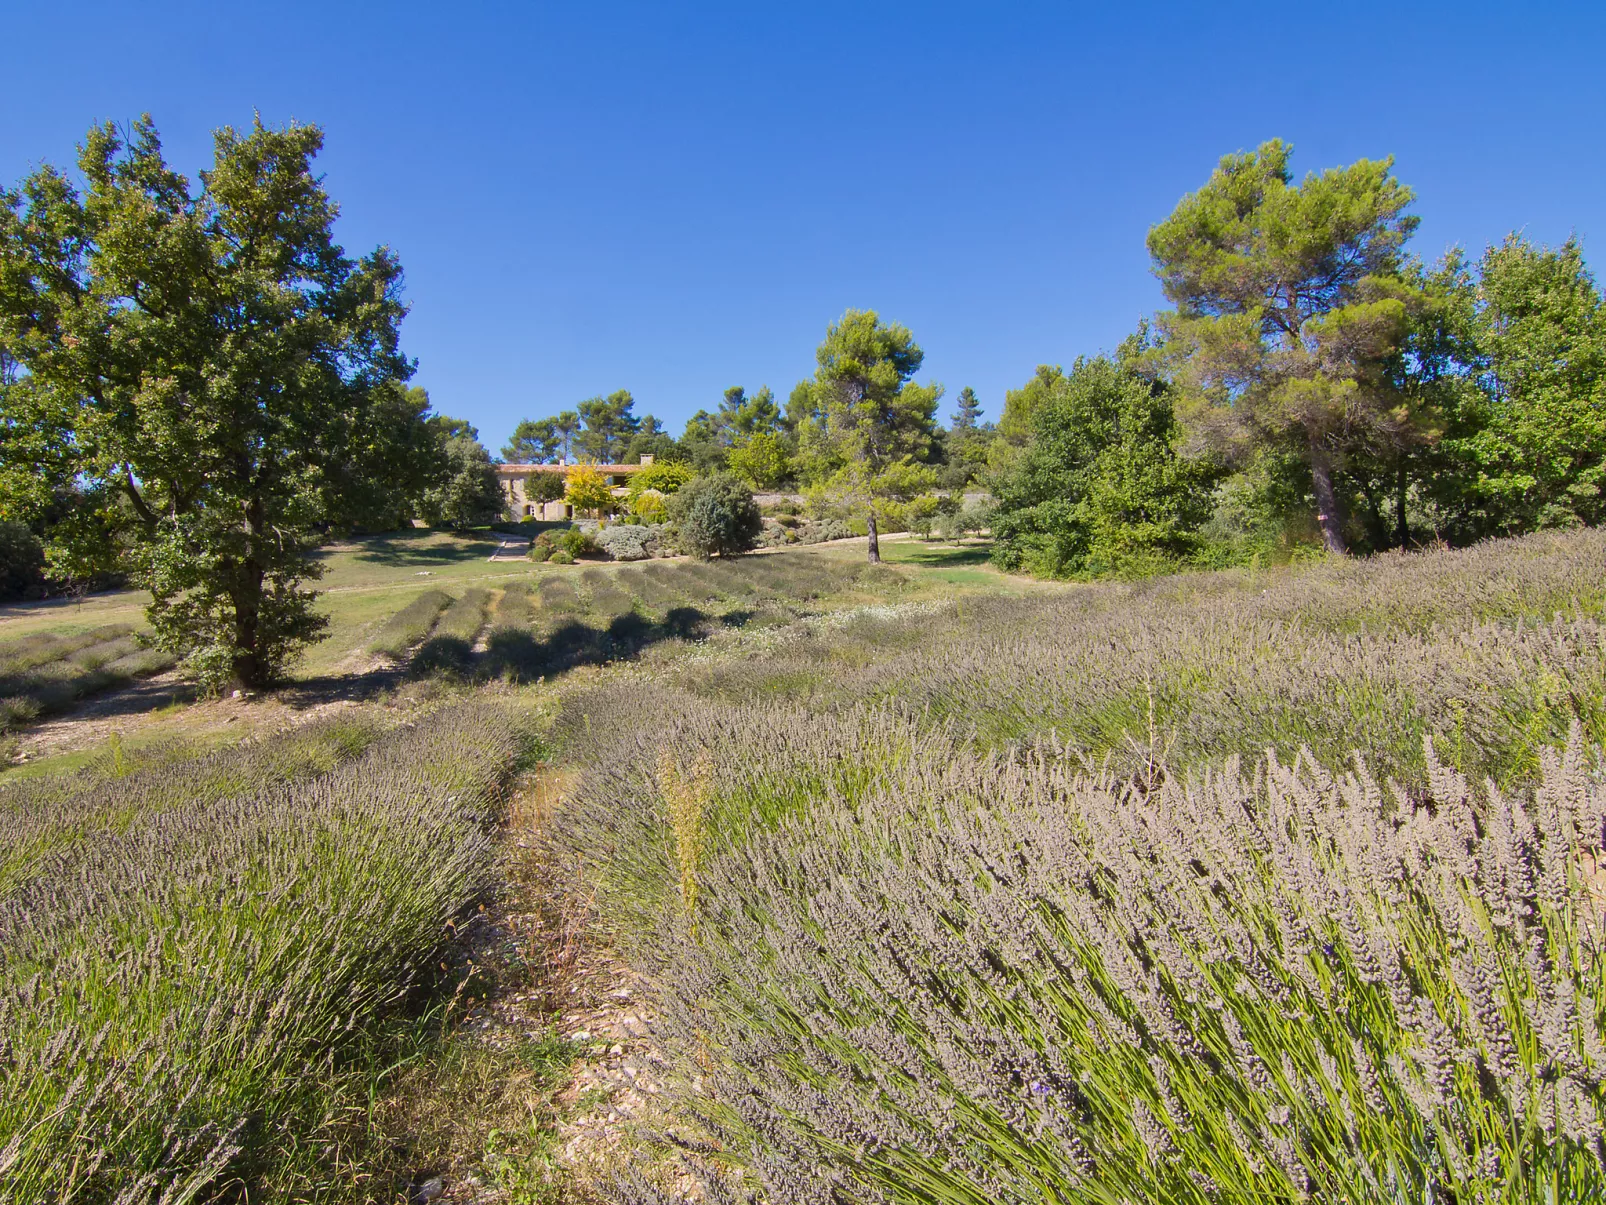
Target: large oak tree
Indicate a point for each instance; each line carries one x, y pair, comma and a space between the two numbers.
209, 364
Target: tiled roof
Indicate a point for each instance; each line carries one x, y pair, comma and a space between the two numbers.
520, 469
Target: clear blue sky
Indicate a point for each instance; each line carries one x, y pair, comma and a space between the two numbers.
674, 198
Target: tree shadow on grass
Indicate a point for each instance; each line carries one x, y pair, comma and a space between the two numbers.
939, 556
442, 655
521, 655
422, 548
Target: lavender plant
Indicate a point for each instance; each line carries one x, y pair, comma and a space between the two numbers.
515, 609
182, 969
607, 600
995, 980
450, 646
1231, 888
48, 673
559, 597
406, 629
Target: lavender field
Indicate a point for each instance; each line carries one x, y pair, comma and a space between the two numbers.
216, 962
1231, 887
1215, 888
199, 956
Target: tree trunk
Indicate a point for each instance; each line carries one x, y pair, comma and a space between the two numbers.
247, 599
249, 671
1402, 525
875, 540
1321, 475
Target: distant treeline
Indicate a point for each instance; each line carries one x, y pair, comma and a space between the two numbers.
1313, 387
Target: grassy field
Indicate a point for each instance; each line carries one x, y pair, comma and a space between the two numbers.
952, 887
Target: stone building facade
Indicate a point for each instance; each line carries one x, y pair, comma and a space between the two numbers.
514, 477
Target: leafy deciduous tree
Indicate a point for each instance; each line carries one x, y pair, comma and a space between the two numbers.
468, 492
542, 488
762, 459
586, 489
664, 476
210, 361
1100, 487
1530, 451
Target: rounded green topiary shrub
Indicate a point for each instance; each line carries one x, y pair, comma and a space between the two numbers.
561, 556
716, 516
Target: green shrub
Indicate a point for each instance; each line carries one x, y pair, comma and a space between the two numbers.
561, 556
650, 505
627, 543
575, 541
716, 516
539, 552
822, 530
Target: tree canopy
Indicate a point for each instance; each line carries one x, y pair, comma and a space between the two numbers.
607, 424
1290, 304
1100, 487
466, 492
535, 441
715, 516
213, 367
586, 489
1528, 449
865, 426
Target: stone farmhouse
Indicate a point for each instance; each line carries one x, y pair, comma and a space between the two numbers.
514, 476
